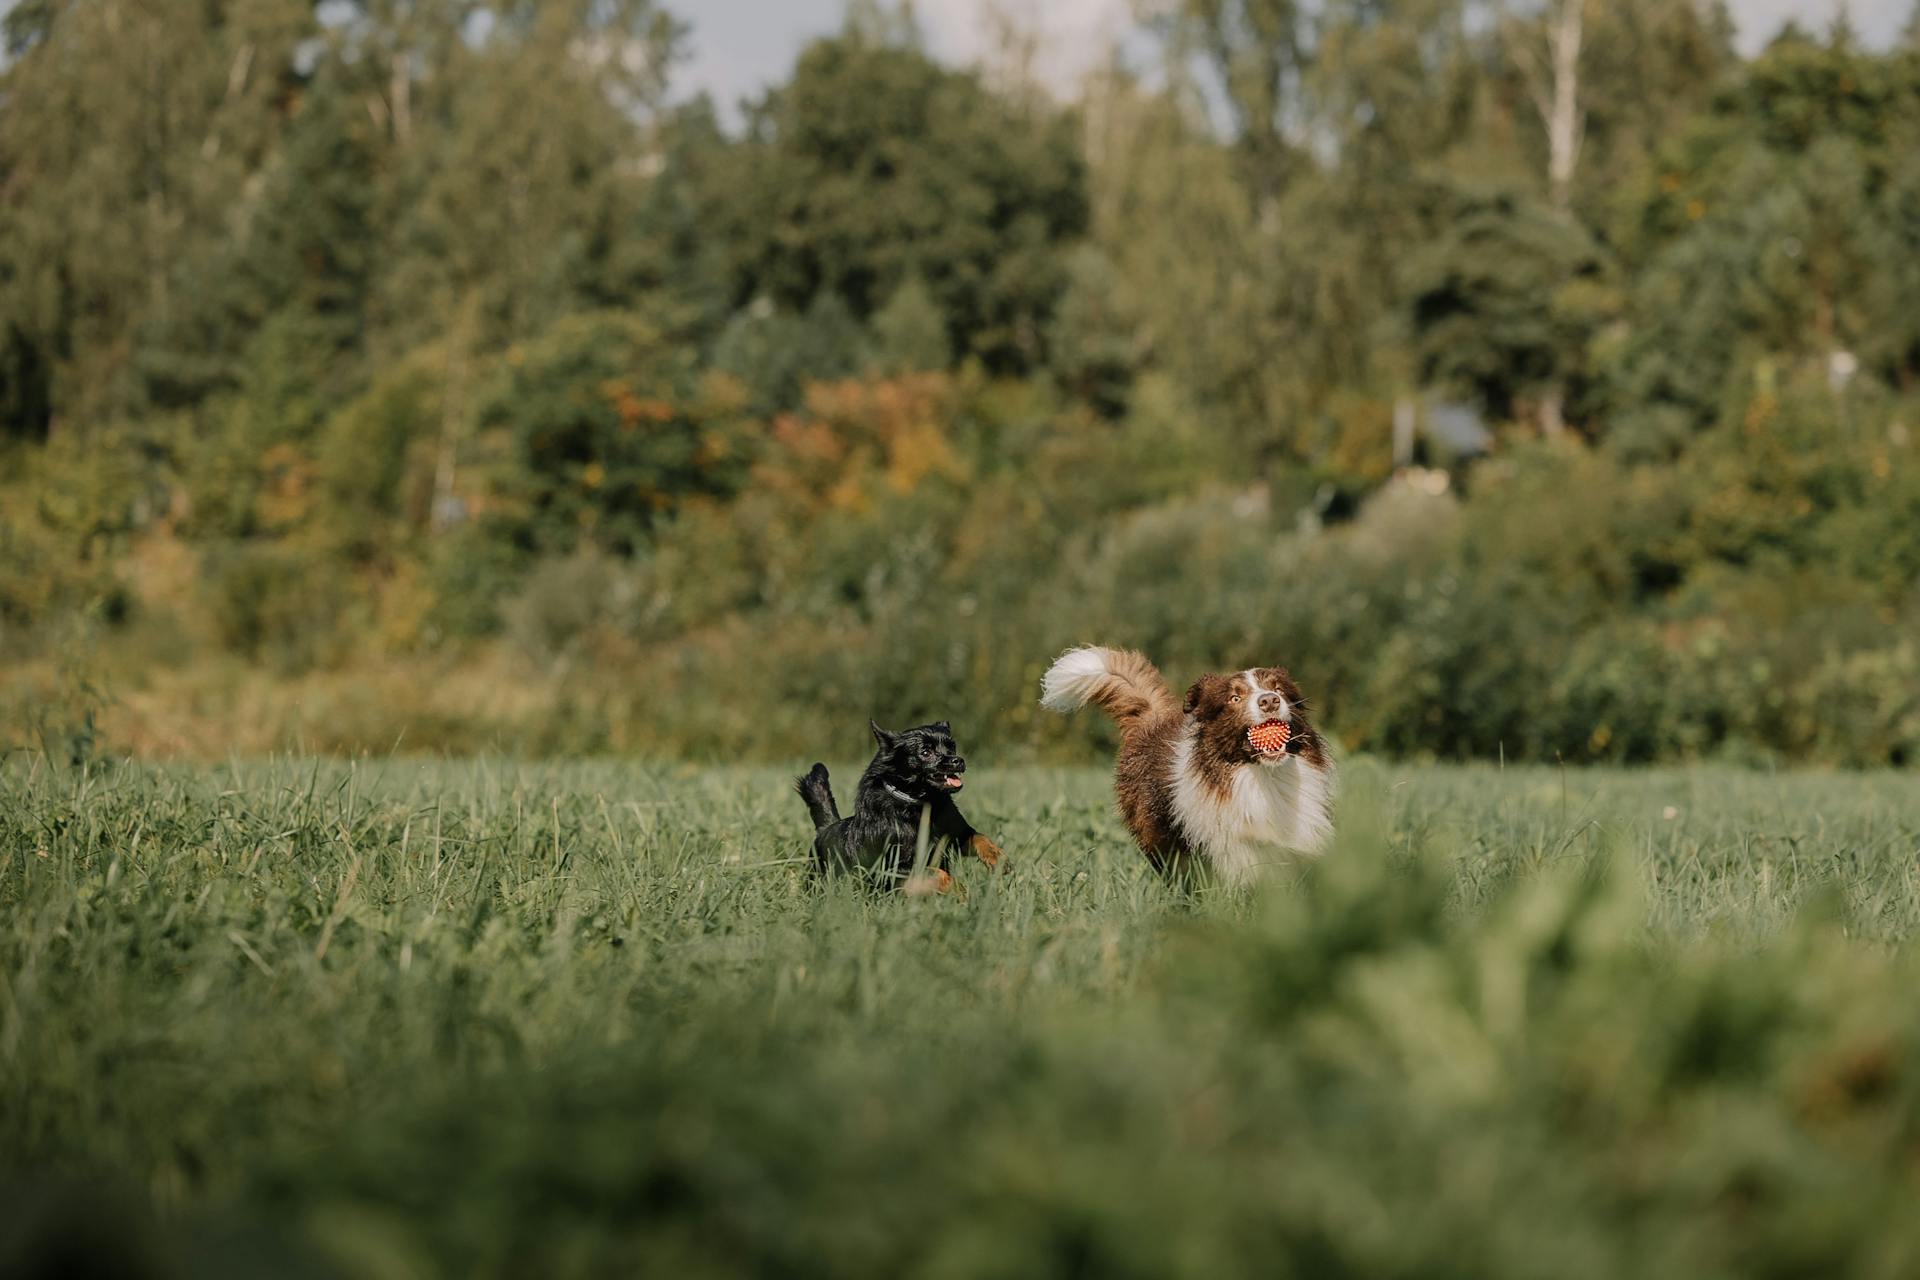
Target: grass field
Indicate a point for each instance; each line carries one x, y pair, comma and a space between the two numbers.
427, 1019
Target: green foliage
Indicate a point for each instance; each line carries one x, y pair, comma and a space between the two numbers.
26, 403
115, 305
561, 604
277, 605
875, 165
608, 432
1488, 313
444, 345
482, 1019
300, 284
910, 332
1094, 342
683, 228
515, 209
1763, 226
470, 572
1647, 66
366, 446
775, 353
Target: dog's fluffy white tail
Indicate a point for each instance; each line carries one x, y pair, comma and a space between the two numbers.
1123, 683
1071, 680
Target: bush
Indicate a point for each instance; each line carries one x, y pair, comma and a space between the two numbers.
375, 455
561, 600
470, 572
278, 605
775, 353
609, 430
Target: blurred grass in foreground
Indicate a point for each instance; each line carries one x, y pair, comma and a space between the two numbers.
407, 1019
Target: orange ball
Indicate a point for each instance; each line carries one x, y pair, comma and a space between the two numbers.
1271, 736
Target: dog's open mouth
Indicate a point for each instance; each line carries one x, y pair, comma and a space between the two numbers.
1269, 738
951, 782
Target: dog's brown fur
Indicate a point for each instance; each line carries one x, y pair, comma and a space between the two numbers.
1153, 724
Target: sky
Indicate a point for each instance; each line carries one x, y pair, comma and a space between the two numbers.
739, 47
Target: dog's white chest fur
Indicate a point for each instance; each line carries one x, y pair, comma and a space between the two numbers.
1270, 812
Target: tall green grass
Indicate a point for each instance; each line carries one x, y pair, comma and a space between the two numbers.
401, 1018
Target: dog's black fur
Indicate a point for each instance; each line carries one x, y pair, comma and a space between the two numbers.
915, 772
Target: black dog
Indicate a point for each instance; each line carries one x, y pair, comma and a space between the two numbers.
915, 775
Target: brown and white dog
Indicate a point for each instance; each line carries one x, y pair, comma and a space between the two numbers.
1191, 781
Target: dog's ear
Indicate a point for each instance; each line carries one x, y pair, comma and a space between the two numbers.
1193, 695
881, 736
943, 727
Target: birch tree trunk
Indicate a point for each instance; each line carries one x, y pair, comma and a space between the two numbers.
1555, 88
1566, 122
400, 95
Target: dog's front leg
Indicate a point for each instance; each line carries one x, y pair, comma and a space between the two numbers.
953, 827
985, 850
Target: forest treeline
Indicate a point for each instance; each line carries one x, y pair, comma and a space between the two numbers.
1535, 380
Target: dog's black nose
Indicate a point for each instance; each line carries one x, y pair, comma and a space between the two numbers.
959, 765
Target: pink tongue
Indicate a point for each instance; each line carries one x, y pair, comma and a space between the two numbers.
952, 781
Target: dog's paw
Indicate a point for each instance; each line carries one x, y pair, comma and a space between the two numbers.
928, 884
986, 850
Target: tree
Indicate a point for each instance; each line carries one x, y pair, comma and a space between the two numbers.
1555, 88
299, 282
127, 141
1630, 66
1768, 230
775, 353
1605, 82
520, 198
680, 238
1174, 230
1489, 313
1270, 273
26, 394
1095, 343
1554, 85
608, 433
1891, 343
909, 333
1258, 53
875, 164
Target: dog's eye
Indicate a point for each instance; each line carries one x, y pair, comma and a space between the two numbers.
1234, 699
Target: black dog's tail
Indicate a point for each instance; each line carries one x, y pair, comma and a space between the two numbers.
813, 788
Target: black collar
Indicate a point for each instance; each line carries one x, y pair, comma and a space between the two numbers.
898, 794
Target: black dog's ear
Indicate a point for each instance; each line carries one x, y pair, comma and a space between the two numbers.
943, 727
881, 736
